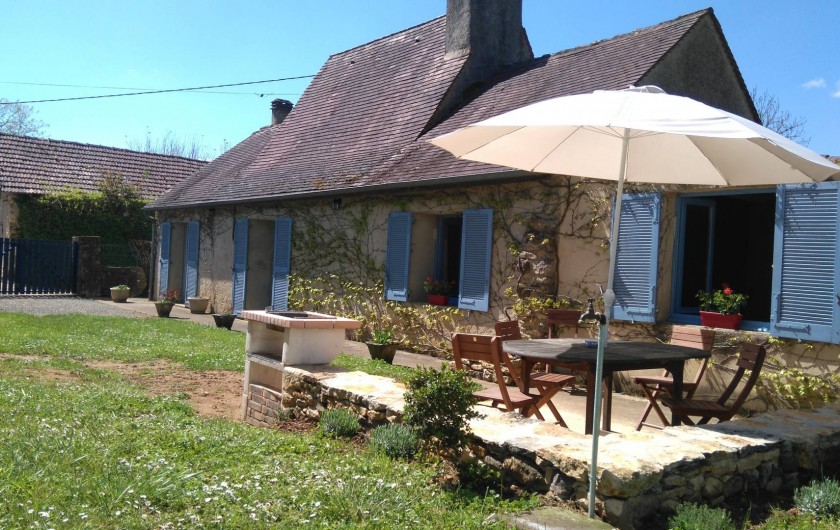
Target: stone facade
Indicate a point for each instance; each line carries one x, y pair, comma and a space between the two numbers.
641, 475
550, 238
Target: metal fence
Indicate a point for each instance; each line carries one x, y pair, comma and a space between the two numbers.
30, 266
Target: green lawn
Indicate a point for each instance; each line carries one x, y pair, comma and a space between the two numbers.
84, 449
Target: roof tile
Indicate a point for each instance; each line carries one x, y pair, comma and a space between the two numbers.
38, 165
360, 122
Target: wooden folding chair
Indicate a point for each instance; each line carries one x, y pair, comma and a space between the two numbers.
546, 382
557, 319
751, 358
653, 386
561, 318
488, 348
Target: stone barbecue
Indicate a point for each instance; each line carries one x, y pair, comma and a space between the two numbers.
276, 339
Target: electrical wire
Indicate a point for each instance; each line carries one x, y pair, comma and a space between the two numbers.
163, 91
23, 83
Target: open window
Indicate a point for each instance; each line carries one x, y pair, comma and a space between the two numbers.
725, 238
454, 249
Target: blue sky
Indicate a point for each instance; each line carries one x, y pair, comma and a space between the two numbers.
788, 49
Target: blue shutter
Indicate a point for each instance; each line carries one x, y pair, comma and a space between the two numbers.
397, 256
282, 263
240, 263
165, 244
805, 258
476, 248
191, 263
636, 258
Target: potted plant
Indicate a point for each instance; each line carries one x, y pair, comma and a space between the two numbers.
224, 320
721, 308
119, 293
198, 304
437, 291
383, 346
166, 300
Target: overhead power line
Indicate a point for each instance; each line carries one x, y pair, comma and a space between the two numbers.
145, 89
164, 91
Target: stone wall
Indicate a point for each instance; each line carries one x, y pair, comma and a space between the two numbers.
641, 475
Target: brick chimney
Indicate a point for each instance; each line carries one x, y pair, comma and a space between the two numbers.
489, 31
280, 108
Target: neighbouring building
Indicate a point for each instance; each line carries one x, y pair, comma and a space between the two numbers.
34, 166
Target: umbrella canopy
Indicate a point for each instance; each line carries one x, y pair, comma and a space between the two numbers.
635, 135
673, 140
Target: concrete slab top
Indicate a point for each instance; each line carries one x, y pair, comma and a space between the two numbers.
311, 320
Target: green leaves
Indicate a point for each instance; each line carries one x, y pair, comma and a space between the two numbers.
439, 405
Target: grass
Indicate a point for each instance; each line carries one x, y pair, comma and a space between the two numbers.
89, 450
374, 367
85, 337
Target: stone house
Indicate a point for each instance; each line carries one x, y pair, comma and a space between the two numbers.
34, 166
347, 185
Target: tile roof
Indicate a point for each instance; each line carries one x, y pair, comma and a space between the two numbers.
37, 165
361, 122
363, 107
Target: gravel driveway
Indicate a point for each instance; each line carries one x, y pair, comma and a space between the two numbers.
62, 305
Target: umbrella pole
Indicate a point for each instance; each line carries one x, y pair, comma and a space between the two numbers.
603, 328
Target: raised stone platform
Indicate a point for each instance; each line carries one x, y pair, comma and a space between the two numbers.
639, 473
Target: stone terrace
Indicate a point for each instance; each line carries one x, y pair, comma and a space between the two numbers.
639, 473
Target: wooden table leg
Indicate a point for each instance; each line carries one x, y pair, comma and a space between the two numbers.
676, 369
525, 379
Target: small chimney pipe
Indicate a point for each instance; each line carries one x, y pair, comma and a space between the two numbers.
280, 108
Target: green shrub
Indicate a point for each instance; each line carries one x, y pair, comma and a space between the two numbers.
699, 517
439, 405
395, 441
339, 423
821, 499
114, 212
479, 477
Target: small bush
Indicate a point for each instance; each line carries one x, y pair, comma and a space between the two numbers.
820, 499
439, 405
480, 477
395, 441
339, 423
699, 517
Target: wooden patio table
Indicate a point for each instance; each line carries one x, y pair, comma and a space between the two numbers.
619, 355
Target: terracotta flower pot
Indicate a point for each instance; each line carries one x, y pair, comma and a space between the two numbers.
720, 320
198, 304
384, 352
163, 308
437, 299
224, 320
119, 295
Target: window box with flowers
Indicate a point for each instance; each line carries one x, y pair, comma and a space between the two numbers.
437, 291
721, 308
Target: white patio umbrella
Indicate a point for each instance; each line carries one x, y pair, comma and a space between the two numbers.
635, 135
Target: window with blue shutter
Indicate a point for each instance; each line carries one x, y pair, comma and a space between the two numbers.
282, 263
476, 249
636, 258
165, 252
240, 263
397, 256
805, 257
191, 263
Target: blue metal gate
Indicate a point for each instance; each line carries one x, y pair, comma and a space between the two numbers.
28, 266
